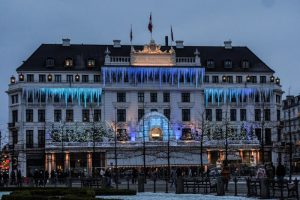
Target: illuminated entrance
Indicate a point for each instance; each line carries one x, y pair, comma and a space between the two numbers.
154, 126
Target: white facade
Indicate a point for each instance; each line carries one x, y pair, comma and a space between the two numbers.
186, 97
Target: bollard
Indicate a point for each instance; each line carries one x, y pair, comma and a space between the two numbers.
127, 182
235, 186
179, 185
154, 186
141, 184
264, 188
296, 188
220, 186
167, 186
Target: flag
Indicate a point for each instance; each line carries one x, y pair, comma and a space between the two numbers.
172, 36
130, 34
150, 26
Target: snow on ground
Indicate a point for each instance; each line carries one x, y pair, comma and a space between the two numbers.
172, 196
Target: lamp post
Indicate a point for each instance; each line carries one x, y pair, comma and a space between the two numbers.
115, 151
226, 79
290, 136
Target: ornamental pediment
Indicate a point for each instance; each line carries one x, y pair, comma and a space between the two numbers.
152, 55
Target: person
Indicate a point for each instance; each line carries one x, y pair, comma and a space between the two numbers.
225, 173
261, 172
280, 171
13, 177
36, 177
5, 178
173, 177
270, 171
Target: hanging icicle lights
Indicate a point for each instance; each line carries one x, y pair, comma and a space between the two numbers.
220, 95
146, 74
80, 94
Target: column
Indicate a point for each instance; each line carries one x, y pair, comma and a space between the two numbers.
257, 156
48, 162
208, 157
67, 161
89, 163
53, 163
242, 155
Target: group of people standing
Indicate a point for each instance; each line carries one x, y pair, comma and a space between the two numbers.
269, 171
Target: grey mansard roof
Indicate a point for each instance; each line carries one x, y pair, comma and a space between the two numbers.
80, 53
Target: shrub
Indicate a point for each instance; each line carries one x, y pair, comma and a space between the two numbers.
110, 191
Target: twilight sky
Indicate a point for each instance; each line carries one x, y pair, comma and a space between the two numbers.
270, 28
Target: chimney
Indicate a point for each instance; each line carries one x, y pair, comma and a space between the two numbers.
227, 44
179, 44
117, 43
166, 41
66, 42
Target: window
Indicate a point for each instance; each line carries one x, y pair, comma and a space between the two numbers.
57, 115
69, 115
210, 63
41, 138
122, 135
15, 137
153, 97
185, 97
42, 98
42, 78
253, 79
186, 115
140, 113
121, 97
85, 78
239, 79
166, 97
257, 114
263, 79
232, 114
57, 78
206, 79
140, 97
97, 78
258, 133
267, 115
14, 99
208, 114
153, 110
41, 115
69, 62
56, 99
186, 134
121, 115
97, 115
29, 138
167, 113
91, 63
245, 64
218, 114
30, 78
278, 115
227, 64
85, 115
229, 79
49, 62
278, 135
243, 115
268, 137
215, 79
278, 98
69, 78
29, 115
14, 116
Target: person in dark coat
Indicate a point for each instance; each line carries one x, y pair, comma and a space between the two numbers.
280, 171
36, 177
13, 177
19, 178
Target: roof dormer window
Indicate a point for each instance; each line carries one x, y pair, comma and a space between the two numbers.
91, 63
69, 62
245, 64
210, 63
49, 62
227, 64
